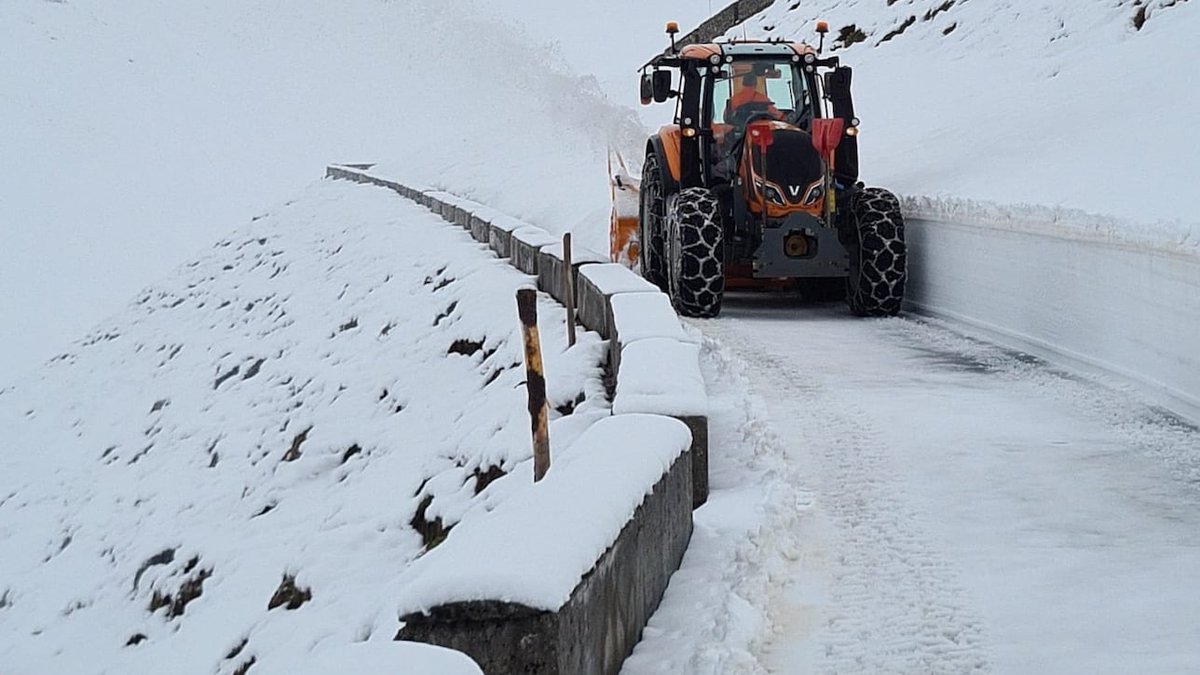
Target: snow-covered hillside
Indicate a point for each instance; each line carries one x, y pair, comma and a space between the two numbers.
138, 133
1053, 106
141, 132
239, 467
188, 458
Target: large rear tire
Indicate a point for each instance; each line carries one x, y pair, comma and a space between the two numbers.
878, 255
651, 218
695, 253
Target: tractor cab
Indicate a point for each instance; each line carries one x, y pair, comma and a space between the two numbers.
743, 189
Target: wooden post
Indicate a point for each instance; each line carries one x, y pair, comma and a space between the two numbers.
535, 382
569, 284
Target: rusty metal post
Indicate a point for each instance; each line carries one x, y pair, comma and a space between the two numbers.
535, 382
569, 285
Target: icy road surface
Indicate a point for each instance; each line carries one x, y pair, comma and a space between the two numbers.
919, 502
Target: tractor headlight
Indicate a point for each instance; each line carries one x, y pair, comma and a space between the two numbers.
813, 193
771, 193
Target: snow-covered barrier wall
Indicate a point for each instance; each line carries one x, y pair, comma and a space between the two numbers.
573, 596
661, 373
1102, 300
609, 575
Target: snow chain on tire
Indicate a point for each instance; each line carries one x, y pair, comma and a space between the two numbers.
651, 217
878, 254
695, 253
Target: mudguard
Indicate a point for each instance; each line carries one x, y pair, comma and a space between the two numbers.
666, 145
846, 157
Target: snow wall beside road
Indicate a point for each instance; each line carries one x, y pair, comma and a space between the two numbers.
1068, 294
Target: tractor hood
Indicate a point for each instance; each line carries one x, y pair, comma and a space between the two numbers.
781, 170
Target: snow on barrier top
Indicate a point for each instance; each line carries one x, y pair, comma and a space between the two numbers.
579, 254
565, 523
636, 559
534, 236
610, 278
637, 316
444, 197
662, 376
597, 286
1172, 238
502, 221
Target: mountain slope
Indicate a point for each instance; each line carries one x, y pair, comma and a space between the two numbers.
239, 467
143, 131
1051, 107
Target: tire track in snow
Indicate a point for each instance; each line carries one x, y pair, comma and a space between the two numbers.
870, 592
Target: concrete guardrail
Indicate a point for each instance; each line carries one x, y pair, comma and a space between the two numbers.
600, 622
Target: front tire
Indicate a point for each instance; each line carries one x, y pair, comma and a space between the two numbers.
695, 253
651, 216
878, 254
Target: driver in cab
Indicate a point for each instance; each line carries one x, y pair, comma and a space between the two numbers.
749, 98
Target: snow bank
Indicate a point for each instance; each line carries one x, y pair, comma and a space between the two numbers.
534, 548
1176, 239
1098, 305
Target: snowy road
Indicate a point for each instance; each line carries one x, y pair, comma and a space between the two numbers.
962, 507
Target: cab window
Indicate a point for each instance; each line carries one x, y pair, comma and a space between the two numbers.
750, 87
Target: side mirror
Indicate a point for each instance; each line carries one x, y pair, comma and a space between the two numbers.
660, 85
647, 89
837, 83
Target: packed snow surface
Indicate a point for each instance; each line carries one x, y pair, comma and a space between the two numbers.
890, 496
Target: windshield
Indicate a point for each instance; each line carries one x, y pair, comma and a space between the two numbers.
759, 88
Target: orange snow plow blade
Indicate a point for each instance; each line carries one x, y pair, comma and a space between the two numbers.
623, 245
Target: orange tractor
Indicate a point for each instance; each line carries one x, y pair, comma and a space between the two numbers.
755, 185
